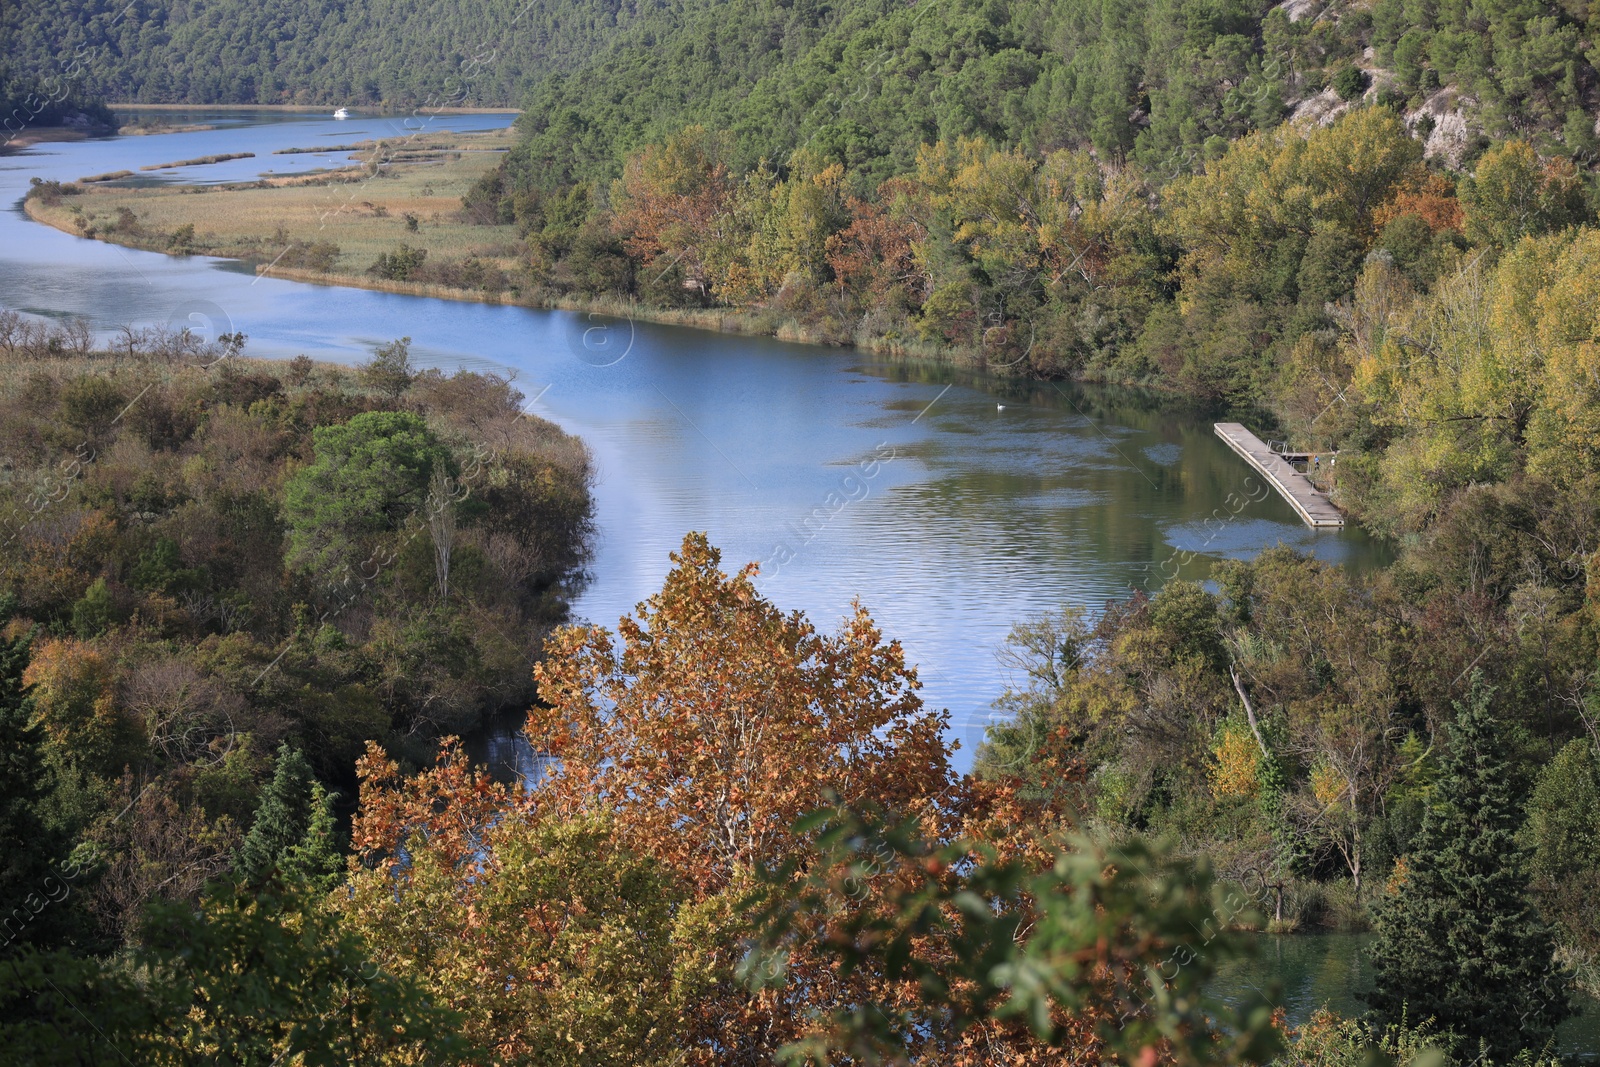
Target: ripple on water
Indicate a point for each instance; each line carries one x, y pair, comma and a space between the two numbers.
1241, 538
1164, 454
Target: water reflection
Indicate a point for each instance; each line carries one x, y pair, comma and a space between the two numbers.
501, 748
987, 501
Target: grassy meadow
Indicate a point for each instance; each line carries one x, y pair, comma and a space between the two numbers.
330, 223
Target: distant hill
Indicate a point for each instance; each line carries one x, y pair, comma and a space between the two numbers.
398, 52
865, 80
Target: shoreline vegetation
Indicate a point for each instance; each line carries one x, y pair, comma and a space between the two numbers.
255, 591
222, 572
27, 138
720, 320
1316, 735
182, 608
371, 109
350, 232
200, 161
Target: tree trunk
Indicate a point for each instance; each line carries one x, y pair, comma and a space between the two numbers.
442, 524
1249, 710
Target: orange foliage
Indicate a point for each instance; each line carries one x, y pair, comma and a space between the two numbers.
701, 731
1433, 200
1397, 877
705, 729
450, 805
43, 584
873, 254
1023, 822
720, 720
549, 942
673, 198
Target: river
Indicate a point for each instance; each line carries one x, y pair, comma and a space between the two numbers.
992, 500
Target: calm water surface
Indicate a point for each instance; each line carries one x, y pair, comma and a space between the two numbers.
979, 502
1312, 971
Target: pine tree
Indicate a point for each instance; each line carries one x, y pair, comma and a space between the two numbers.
32, 885
292, 834
315, 859
1457, 937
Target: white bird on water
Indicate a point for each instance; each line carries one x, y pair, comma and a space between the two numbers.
999, 407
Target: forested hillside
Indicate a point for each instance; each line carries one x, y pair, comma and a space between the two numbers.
1147, 80
1177, 192
230, 589
393, 52
1373, 225
31, 103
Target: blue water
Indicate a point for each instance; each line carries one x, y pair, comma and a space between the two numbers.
951, 505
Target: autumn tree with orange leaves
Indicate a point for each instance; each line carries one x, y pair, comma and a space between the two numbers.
671, 202
712, 721
873, 255
606, 912
707, 754
550, 942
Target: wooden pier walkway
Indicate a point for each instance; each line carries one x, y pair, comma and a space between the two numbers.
1307, 500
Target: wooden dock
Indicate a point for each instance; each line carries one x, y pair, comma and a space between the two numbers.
1308, 501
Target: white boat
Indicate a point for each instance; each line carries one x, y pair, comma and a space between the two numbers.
342, 113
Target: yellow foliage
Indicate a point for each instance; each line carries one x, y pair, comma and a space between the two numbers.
1328, 786
1565, 436
1497, 363
1397, 877
74, 699
1231, 218
1234, 772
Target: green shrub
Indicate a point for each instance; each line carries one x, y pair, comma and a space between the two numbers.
1351, 82
93, 614
398, 265
90, 403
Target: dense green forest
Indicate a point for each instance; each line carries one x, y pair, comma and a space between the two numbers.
1150, 79
389, 52
51, 101
1160, 82
1176, 193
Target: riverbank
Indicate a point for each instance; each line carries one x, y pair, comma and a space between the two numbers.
760, 323
333, 210
27, 138
386, 216
372, 109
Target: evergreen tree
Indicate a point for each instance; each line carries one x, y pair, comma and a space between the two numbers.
1457, 937
32, 890
315, 860
292, 834
1563, 832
